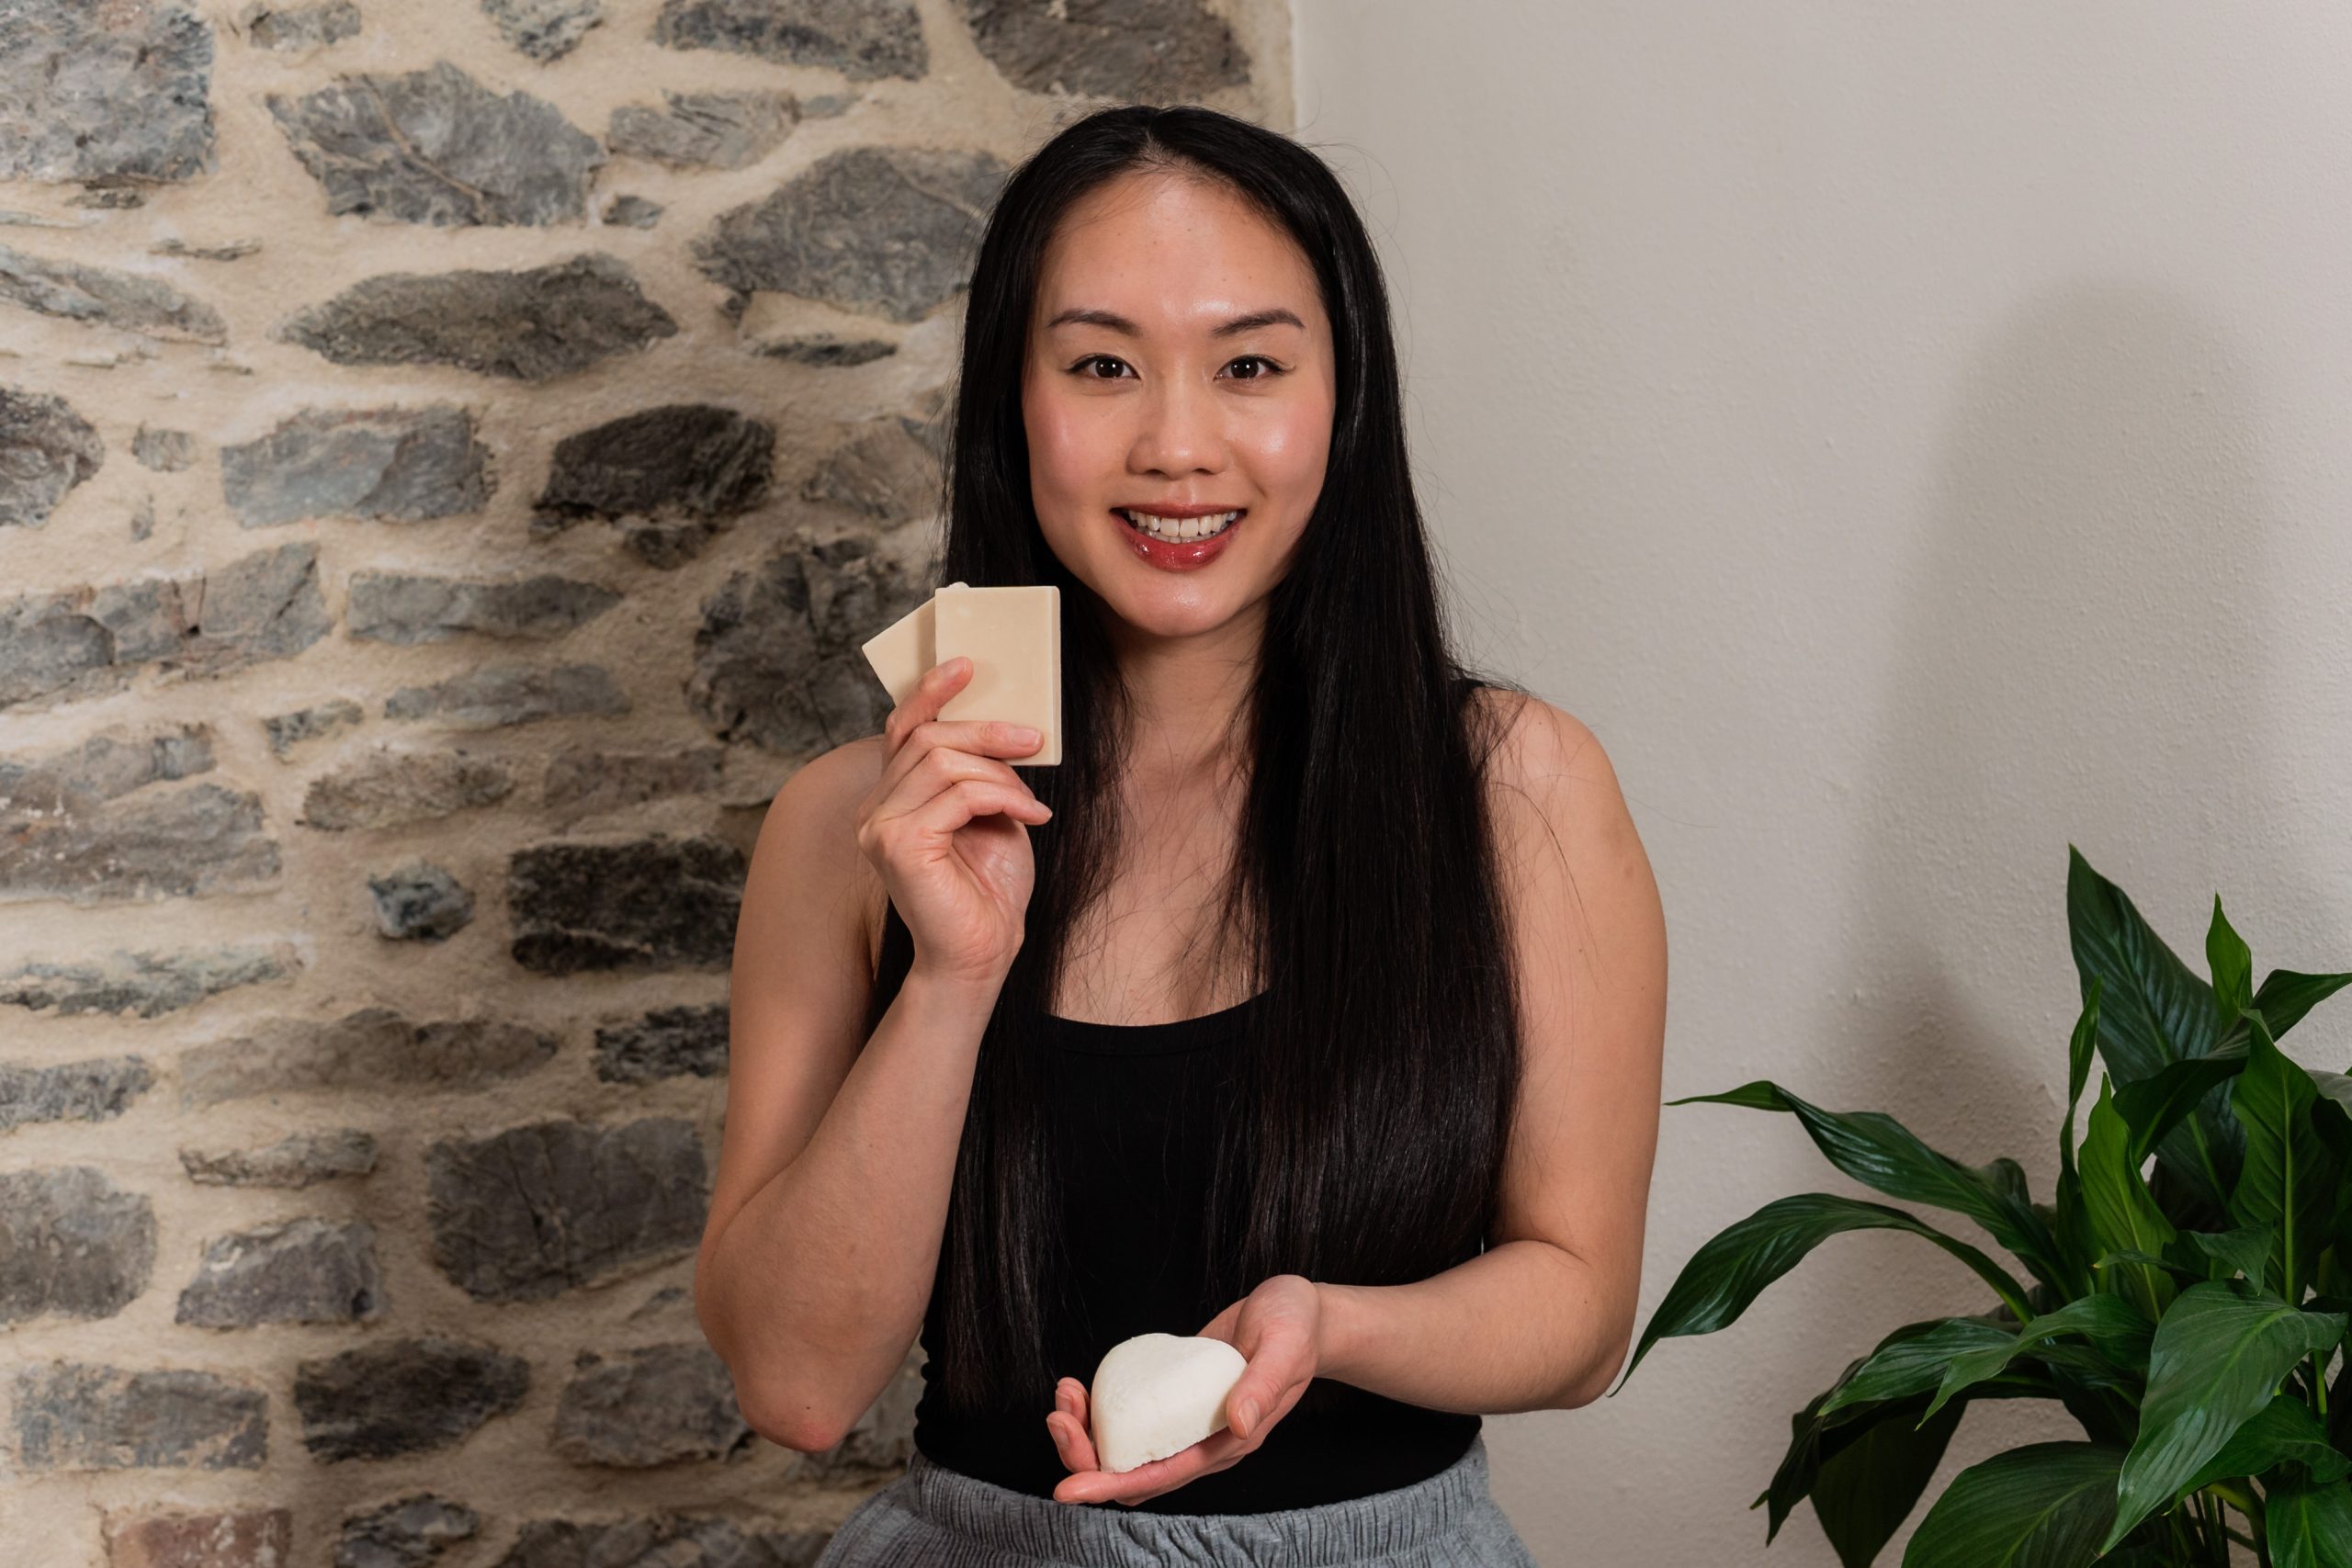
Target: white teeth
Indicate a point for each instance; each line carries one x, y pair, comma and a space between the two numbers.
1177, 529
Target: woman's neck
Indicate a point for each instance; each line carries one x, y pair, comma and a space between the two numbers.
1187, 696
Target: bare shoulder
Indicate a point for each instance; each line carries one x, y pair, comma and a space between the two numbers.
810, 832
1547, 757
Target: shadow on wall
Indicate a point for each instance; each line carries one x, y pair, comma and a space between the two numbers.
2081, 660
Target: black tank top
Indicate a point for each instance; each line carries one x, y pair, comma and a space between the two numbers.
1131, 1102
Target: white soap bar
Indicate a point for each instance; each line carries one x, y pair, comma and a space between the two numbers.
1157, 1395
1013, 638
902, 652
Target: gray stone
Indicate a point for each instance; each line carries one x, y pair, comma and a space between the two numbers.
652, 1405
104, 297
230, 1537
83, 642
670, 1540
668, 1042
777, 659
657, 903
298, 1270
287, 731
99, 91
147, 984
298, 1159
670, 476
544, 30
373, 1048
408, 1532
435, 146
884, 230
861, 39
391, 606
165, 451
704, 130
391, 789
661, 1301
45, 450
396, 464
72, 1244
142, 518
583, 780
96, 1090
300, 26
883, 470
75, 1415
420, 903
530, 326
83, 825
633, 211
826, 351
230, 250
881, 1440
537, 1209
104, 767
490, 697
1138, 50
410, 1396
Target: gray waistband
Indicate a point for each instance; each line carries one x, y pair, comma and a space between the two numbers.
1327, 1533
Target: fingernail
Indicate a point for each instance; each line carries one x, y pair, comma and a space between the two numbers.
1245, 1418
1026, 733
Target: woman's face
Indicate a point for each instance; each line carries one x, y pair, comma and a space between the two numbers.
1140, 391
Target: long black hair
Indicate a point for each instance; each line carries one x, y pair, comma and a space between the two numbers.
1372, 1102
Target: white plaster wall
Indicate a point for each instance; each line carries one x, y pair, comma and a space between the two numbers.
1913, 439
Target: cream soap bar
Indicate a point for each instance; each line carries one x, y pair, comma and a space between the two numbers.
1013, 638
902, 652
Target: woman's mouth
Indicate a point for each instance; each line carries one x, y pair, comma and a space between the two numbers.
1179, 544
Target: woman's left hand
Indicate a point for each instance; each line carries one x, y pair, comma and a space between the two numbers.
1278, 1328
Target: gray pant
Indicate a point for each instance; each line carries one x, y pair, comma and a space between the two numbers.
942, 1518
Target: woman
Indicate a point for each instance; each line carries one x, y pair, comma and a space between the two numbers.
1312, 1003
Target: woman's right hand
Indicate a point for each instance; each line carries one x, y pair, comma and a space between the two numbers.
944, 827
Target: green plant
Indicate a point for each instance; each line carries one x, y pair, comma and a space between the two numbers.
2189, 1320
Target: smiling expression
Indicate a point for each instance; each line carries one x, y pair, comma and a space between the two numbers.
1179, 356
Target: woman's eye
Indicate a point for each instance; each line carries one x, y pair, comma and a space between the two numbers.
1086, 366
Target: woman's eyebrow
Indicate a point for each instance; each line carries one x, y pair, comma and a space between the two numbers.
1278, 316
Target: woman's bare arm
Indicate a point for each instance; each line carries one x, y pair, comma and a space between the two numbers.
834, 1170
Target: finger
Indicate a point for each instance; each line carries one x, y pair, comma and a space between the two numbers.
967, 798
978, 736
935, 770
938, 683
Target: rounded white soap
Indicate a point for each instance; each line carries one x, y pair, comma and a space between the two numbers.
1157, 1395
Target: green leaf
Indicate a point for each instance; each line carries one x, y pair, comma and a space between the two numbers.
2217, 1358
2281, 1430
2153, 1012
2153, 1106
1909, 1362
2123, 1217
1732, 1270
2238, 1252
2078, 1069
2310, 1526
2287, 1181
2043, 1505
2232, 963
1863, 1493
2286, 996
2113, 1325
1880, 1152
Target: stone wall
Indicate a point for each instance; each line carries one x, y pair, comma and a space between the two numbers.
449, 452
